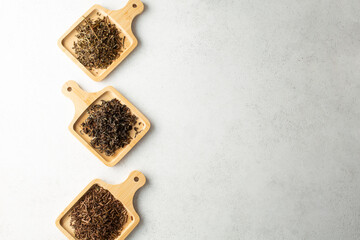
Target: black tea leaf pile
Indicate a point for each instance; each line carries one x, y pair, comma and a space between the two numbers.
98, 215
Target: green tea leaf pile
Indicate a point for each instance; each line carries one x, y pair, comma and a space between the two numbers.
98, 43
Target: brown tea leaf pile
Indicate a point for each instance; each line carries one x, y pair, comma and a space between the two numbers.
109, 125
98, 43
98, 215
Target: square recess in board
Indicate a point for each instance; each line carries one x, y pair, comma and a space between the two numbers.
83, 101
123, 192
121, 18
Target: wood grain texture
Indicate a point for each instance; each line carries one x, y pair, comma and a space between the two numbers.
83, 100
121, 18
124, 192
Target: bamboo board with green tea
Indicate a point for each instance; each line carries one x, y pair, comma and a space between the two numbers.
101, 39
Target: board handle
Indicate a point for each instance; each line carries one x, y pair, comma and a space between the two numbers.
129, 187
80, 98
126, 15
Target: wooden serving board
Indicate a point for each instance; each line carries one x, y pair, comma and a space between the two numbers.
121, 18
83, 100
124, 192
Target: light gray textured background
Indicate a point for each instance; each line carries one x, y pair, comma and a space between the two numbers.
255, 119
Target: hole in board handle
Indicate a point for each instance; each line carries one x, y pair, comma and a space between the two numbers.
134, 5
69, 89
136, 179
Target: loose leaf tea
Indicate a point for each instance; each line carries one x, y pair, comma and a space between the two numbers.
98, 215
109, 124
98, 43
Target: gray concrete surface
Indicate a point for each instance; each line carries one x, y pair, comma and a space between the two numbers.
255, 119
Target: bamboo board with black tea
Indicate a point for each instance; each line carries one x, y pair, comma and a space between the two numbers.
121, 18
83, 101
123, 192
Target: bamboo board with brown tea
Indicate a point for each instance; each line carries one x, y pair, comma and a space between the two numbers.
83, 101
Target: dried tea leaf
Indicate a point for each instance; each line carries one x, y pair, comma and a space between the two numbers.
98, 43
109, 125
98, 215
